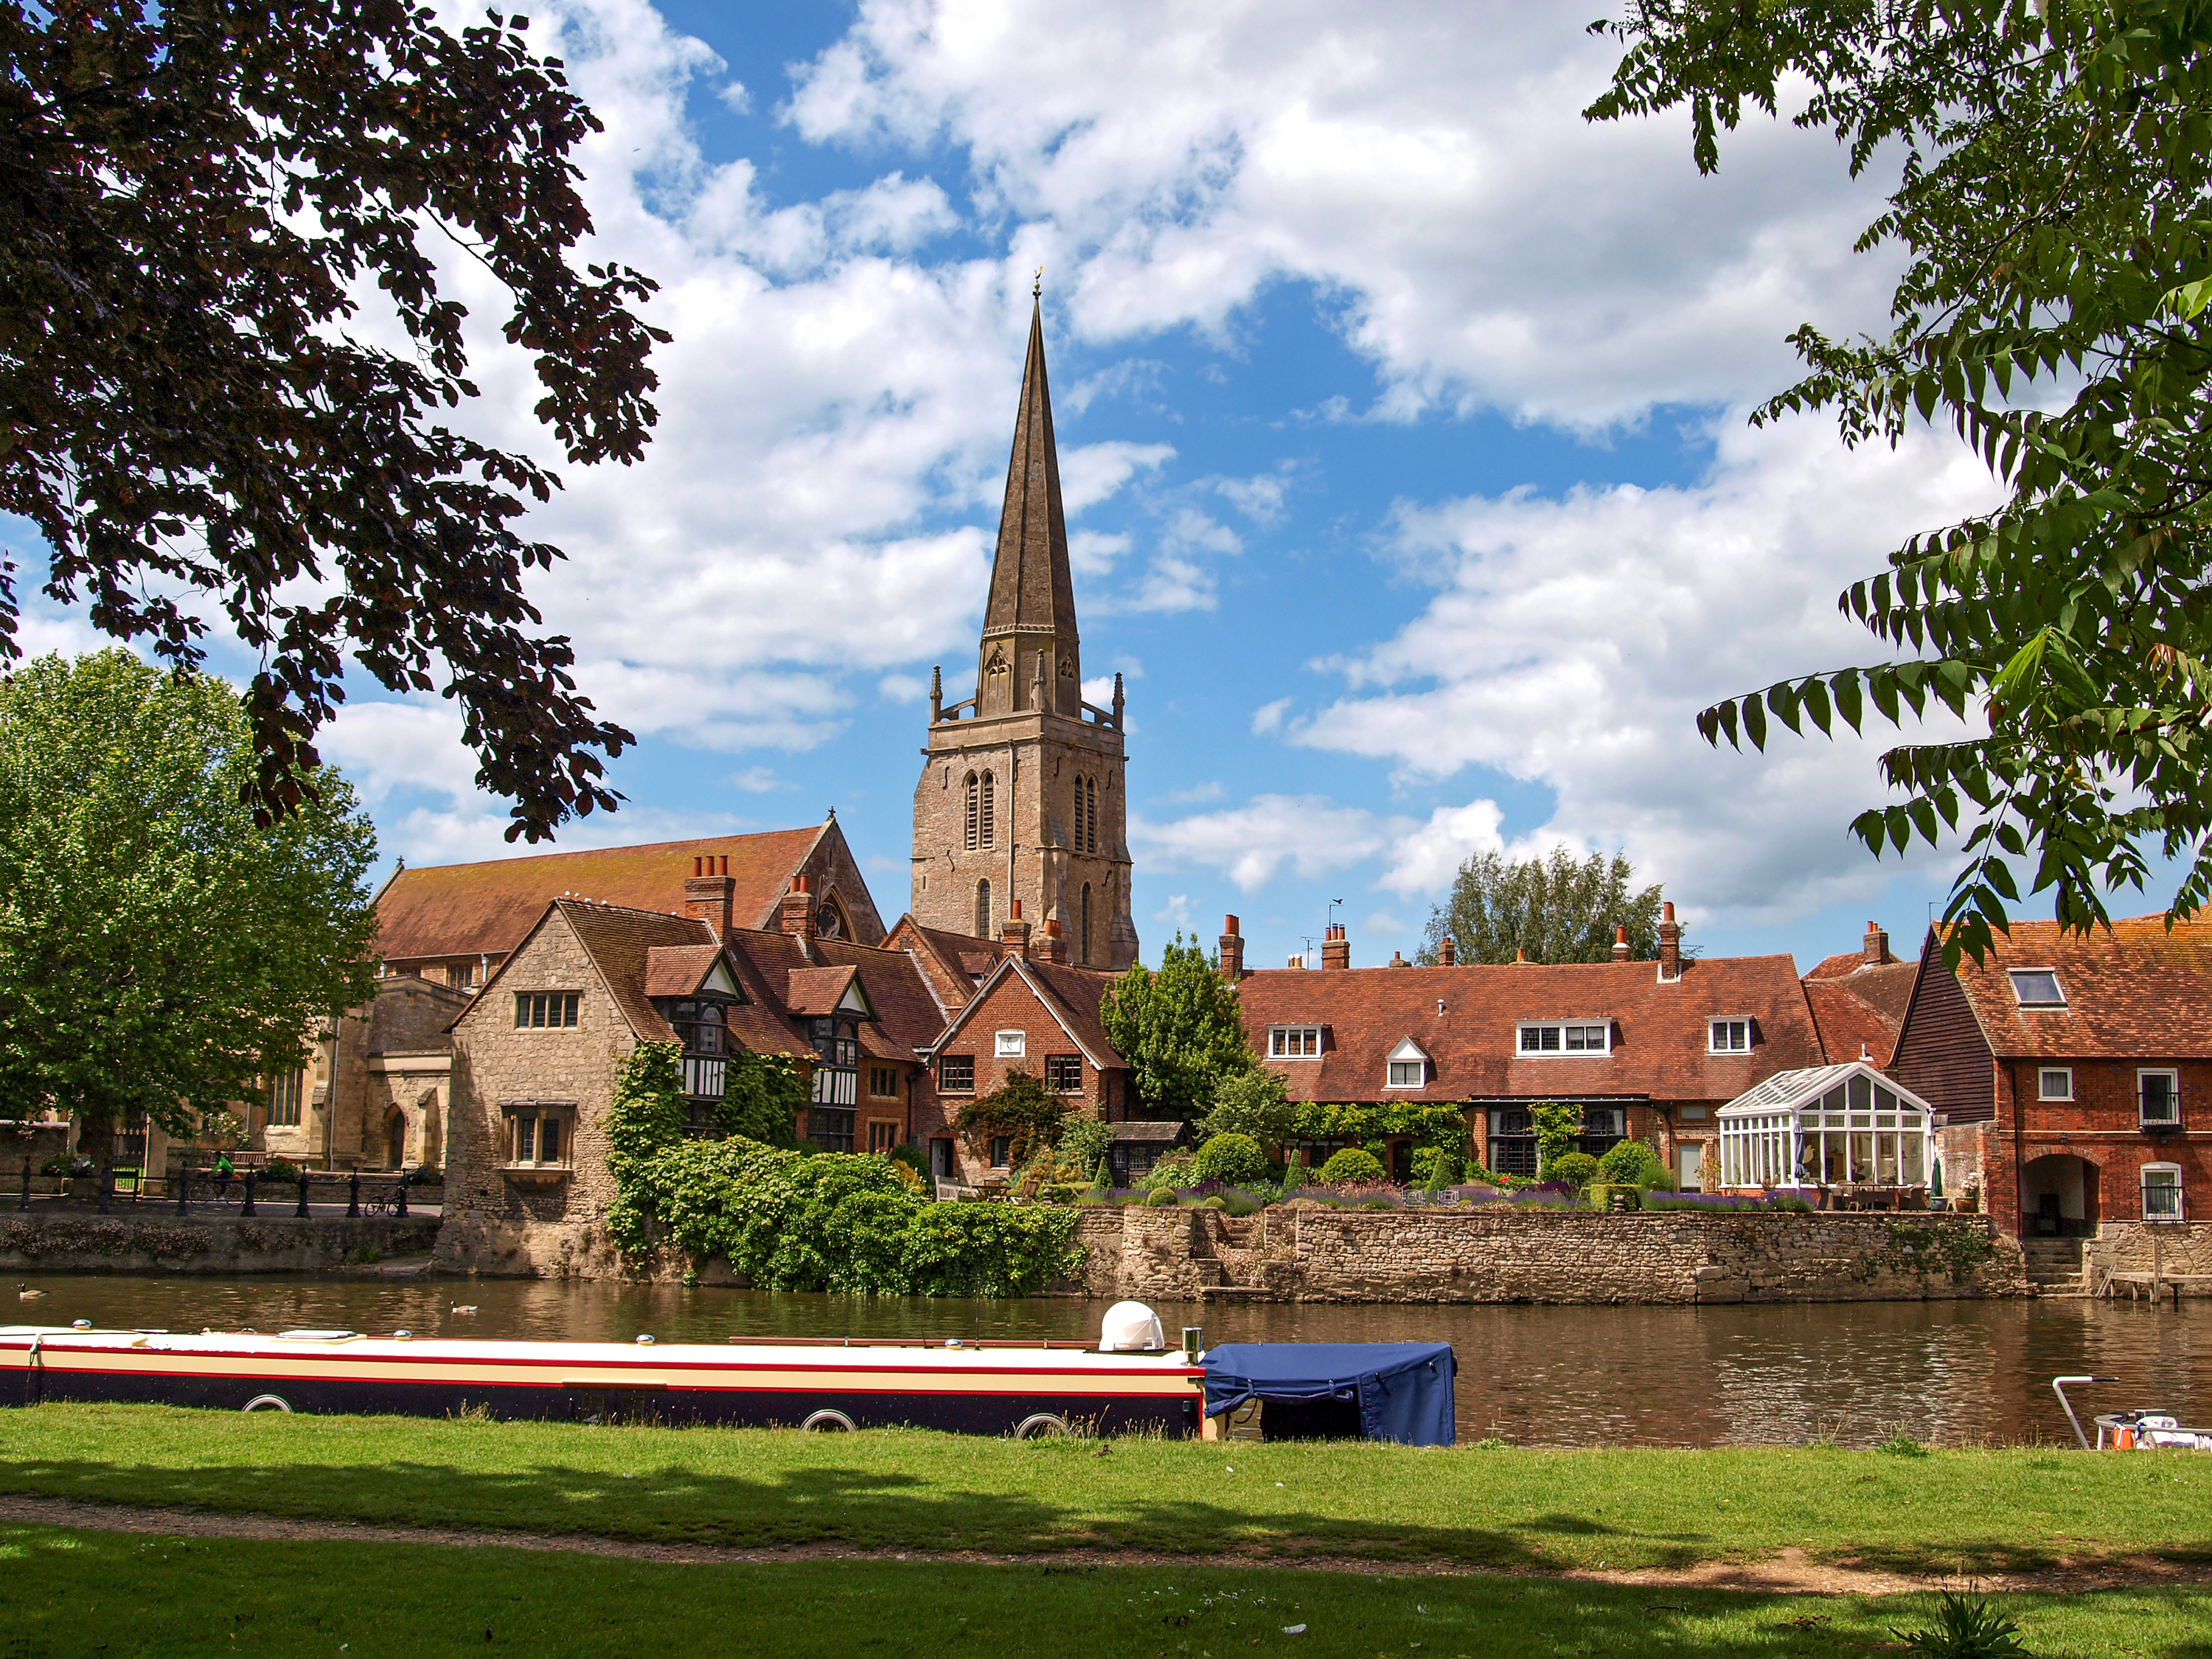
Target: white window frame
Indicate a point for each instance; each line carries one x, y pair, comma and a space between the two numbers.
1716, 1025
1418, 1067
1278, 1035
2065, 1076
2173, 1094
1009, 1045
2013, 975
2178, 1186
1522, 1051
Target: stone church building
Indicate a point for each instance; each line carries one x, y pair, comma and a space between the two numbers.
1022, 794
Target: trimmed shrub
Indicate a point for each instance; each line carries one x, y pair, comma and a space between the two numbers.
1576, 1169
1216, 1202
1435, 1168
1601, 1193
1161, 1197
1231, 1158
1352, 1167
1633, 1164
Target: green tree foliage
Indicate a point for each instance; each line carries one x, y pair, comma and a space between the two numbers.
1422, 1124
1084, 1142
1435, 1168
1557, 1128
1352, 1166
1560, 909
1179, 1030
832, 1221
159, 949
1633, 1163
1253, 1103
1578, 1168
2053, 204
196, 200
1020, 1108
1232, 1158
762, 1096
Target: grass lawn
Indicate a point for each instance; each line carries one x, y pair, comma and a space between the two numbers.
71, 1593
2014, 1510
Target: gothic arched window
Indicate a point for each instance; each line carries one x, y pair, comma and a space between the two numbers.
1086, 924
985, 814
1091, 790
983, 909
972, 797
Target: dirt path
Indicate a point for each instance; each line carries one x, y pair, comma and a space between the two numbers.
1788, 1572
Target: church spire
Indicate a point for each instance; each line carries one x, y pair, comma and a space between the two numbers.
1032, 610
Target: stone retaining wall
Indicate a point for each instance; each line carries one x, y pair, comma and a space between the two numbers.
1544, 1256
2176, 1248
189, 1244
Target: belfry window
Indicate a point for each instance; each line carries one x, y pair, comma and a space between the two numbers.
974, 801
984, 815
1086, 935
983, 909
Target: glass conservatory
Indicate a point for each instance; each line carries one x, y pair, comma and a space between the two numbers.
1829, 1126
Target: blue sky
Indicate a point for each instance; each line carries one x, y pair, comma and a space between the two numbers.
1402, 416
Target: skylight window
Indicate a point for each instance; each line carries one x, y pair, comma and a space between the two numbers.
2038, 988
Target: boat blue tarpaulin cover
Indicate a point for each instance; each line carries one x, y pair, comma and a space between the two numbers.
1404, 1389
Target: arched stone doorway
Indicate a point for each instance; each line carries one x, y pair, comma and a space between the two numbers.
2058, 1197
395, 1140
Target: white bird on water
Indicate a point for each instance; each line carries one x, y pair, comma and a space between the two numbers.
460, 1308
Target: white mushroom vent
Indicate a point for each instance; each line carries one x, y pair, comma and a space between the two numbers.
1131, 1327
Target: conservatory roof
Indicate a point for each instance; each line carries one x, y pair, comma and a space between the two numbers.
1788, 1091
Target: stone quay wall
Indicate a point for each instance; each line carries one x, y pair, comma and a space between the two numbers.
2178, 1249
155, 1244
1663, 1256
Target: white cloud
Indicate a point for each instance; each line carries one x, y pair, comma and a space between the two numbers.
1268, 716
1254, 843
1091, 473
756, 780
1572, 642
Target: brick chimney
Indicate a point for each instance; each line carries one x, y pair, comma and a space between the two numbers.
1398, 959
1875, 948
708, 891
1296, 962
1447, 953
1014, 932
1232, 951
1670, 945
1620, 951
1335, 948
1052, 947
796, 915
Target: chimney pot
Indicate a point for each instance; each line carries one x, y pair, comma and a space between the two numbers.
1231, 959
1398, 959
1014, 932
1670, 945
1873, 952
1336, 948
1621, 951
709, 898
1447, 952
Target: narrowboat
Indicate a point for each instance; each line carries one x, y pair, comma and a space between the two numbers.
1131, 1381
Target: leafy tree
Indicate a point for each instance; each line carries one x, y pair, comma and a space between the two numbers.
194, 200
1084, 1142
159, 949
1234, 1159
1560, 909
2053, 206
1179, 1028
1253, 1103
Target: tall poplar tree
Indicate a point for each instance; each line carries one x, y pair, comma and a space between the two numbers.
159, 950
1560, 909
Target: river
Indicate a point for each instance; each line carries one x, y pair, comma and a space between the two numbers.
1951, 1373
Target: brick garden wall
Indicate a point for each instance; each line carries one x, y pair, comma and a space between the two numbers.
1523, 1255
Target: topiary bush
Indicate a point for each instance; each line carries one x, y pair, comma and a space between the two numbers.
1161, 1197
1435, 1167
1578, 1169
1352, 1167
1631, 1163
1232, 1158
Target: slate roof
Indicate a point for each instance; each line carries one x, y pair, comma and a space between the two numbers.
469, 909
1659, 1035
2136, 991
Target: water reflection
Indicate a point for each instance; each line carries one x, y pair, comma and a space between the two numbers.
1962, 1372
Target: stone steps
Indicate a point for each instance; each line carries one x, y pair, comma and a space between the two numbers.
2053, 1265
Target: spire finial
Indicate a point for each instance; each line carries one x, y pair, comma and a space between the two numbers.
1037, 286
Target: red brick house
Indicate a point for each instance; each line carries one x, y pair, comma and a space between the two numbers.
1648, 1049
2073, 1073
1033, 1015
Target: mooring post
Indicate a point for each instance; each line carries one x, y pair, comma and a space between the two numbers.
24, 1202
353, 1195
301, 1210
2157, 1270
247, 1208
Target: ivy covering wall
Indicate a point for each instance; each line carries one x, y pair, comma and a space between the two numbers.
790, 1221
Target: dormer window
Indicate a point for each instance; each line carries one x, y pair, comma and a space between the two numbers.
1548, 1038
1729, 1036
1408, 1066
1294, 1042
2036, 987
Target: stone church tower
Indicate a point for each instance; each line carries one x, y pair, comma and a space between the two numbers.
1021, 798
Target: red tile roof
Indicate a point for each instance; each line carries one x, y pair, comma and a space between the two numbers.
1659, 1031
620, 942
1860, 1007
678, 971
768, 964
2136, 991
813, 991
470, 909
1072, 995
